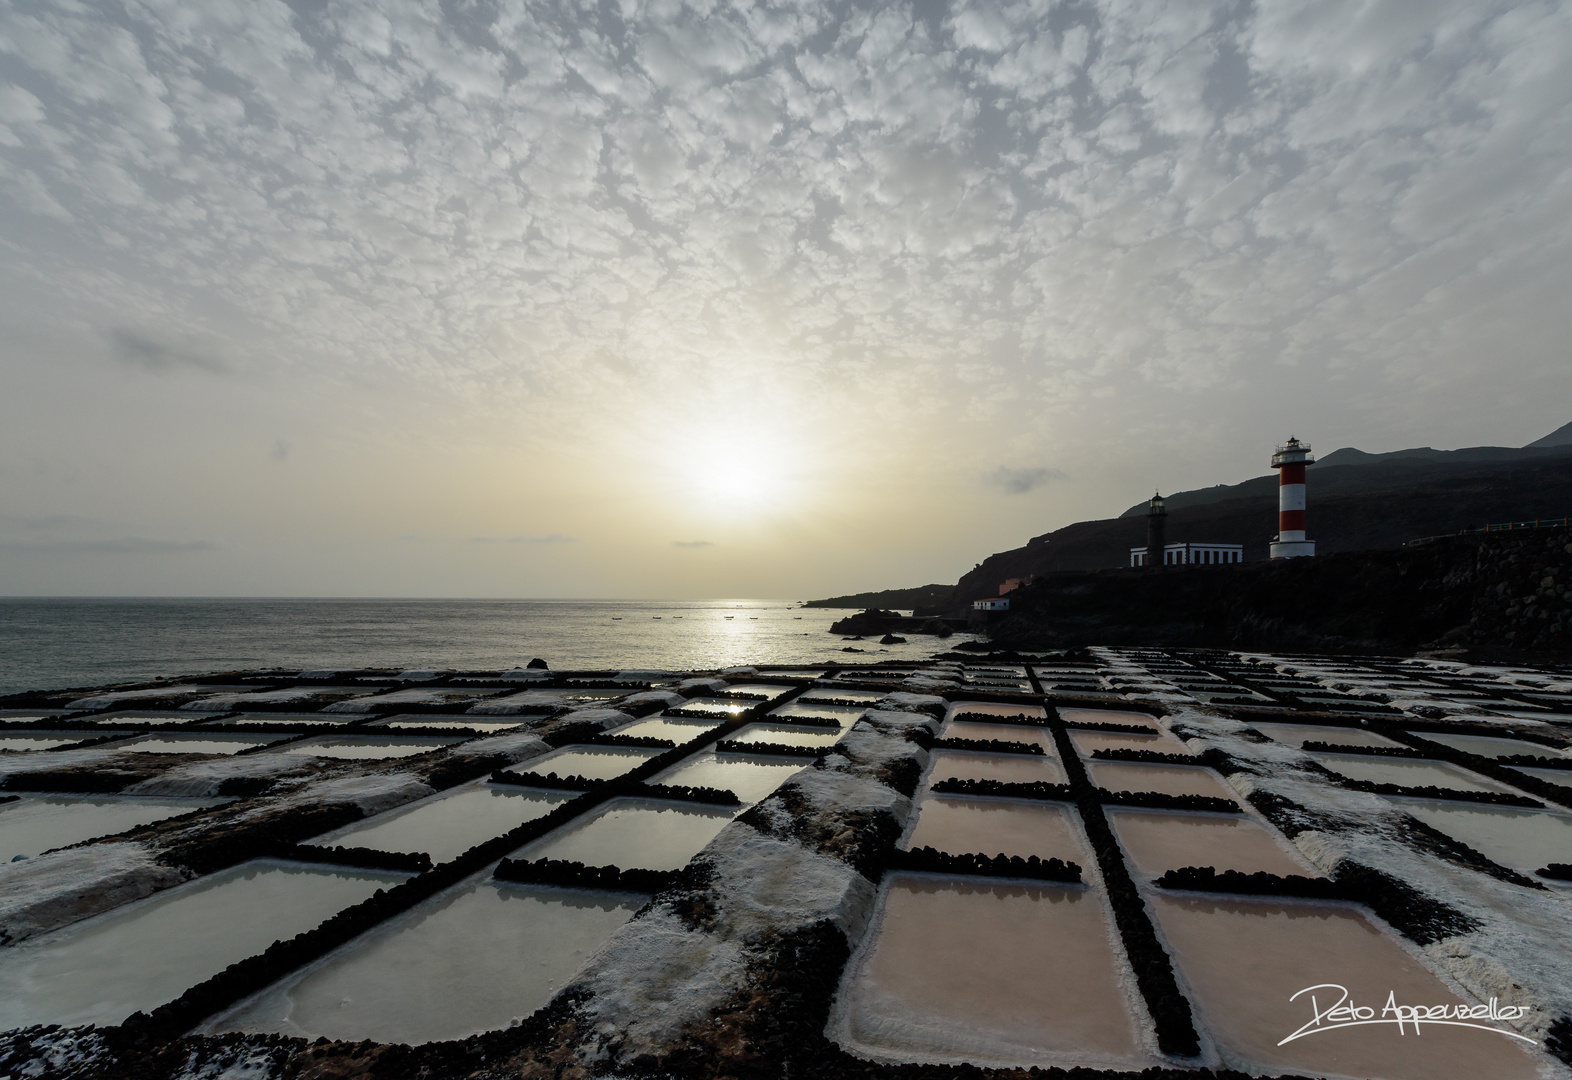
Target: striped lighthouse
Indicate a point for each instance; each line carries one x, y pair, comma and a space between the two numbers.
1290, 461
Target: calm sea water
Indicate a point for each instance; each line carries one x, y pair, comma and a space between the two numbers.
53, 643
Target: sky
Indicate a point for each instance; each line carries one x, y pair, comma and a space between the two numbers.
705, 300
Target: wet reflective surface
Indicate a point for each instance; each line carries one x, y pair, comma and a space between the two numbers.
1009, 768
1161, 743
471, 960
23, 741
644, 833
962, 826
846, 714
39, 823
1156, 841
590, 762
1167, 779
147, 953
351, 746
1439, 774
1021, 733
1244, 960
1107, 716
678, 731
1491, 746
451, 823
473, 723
992, 708
975, 970
788, 735
1525, 840
749, 777
1299, 734
216, 743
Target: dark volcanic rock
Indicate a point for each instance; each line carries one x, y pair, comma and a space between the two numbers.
891, 639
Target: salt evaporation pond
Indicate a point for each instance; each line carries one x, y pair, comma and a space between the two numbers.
1549, 776
204, 743
1087, 742
749, 777
462, 723
357, 747
1019, 733
1008, 768
771, 691
993, 708
149, 720
841, 693
720, 708
679, 731
808, 710
147, 953
968, 826
23, 741
277, 719
1408, 773
38, 823
1522, 839
1491, 746
1299, 734
1243, 959
1166, 779
972, 970
447, 825
1107, 716
1157, 841
590, 762
787, 735
644, 833
476, 958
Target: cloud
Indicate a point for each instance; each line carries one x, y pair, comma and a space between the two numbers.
552, 538
691, 544
1020, 481
142, 350
121, 545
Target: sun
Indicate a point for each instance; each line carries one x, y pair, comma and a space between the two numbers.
735, 468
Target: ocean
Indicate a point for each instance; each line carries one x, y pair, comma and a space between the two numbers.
52, 643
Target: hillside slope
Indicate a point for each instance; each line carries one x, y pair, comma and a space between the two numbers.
1351, 508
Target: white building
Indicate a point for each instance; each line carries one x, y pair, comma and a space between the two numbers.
990, 605
1192, 554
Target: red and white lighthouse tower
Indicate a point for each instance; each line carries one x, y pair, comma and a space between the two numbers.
1290, 461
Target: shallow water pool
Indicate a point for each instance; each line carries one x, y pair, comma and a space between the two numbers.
144, 954
993, 708
1156, 841
39, 823
399, 723
1299, 734
1018, 733
1492, 746
1166, 779
203, 743
473, 959
750, 777
23, 741
1410, 773
645, 833
446, 825
1522, 839
962, 825
679, 731
1107, 716
1244, 959
360, 748
846, 714
1086, 742
1007, 768
960, 969
590, 762
787, 735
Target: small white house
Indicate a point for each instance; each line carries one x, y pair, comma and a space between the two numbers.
1192, 554
993, 604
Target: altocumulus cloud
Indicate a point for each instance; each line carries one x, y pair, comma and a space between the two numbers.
911, 203
1020, 481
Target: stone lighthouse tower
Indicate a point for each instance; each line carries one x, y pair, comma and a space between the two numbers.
1290, 461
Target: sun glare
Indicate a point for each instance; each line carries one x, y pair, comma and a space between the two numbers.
736, 469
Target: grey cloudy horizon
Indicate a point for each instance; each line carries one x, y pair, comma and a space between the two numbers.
519, 298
